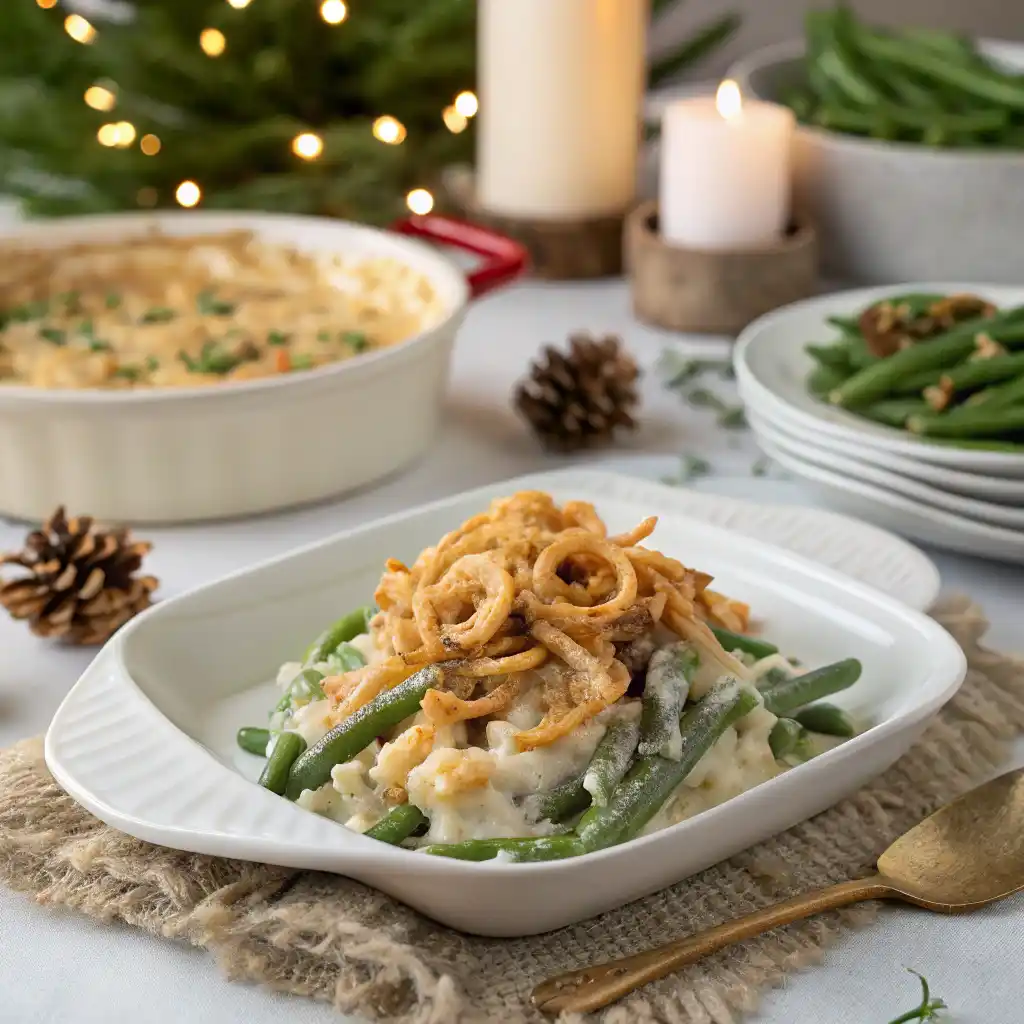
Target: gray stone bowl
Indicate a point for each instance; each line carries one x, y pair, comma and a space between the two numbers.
890, 211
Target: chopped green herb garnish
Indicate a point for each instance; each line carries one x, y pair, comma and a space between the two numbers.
112, 301
209, 305
702, 398
691, 467
72, 302
87, 328
98, 345
152, 363
356, 340
158, 315
302, 362
323, 335
127, 372
29, 311
212, 359
277, 338
927, 1009
53, 335
760, 467
733, 418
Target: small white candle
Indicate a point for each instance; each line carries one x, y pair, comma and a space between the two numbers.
725, 171
560, 85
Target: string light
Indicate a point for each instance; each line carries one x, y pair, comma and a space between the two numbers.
453, 120
307, 145
188, 194
239, 4
125, 134
334, 12
79, 29
46, 4
108, 135
466, 103
150, 145
420, 201
388, 129
100, 98
146, 196
212, 42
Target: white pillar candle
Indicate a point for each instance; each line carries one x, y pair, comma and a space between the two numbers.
560, 85
725, 171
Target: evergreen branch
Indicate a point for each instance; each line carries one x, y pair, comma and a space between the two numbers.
694, 50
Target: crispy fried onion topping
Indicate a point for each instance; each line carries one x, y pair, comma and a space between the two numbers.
530, 595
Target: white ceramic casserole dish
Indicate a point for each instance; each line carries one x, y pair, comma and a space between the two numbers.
889, 211
145, 740
192, 453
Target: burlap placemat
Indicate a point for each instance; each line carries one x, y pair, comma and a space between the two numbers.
336, 940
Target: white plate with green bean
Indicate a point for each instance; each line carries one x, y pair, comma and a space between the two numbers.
882, 403
146, 740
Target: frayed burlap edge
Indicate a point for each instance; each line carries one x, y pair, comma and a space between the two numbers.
336, 940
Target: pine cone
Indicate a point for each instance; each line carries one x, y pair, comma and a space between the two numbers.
80, 585
577, 399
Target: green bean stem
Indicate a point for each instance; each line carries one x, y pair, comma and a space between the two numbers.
359, 730
398, 824
611, 759
784, 697
520, 850
652, 780
827, 719
288, 746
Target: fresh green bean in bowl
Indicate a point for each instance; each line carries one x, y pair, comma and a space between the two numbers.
532, 688
906, 85
942, 368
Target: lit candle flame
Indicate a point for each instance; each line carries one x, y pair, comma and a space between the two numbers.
728, 100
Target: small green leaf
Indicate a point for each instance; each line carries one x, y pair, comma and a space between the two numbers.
53, 335
928, 1008
356, 340
208, 304
112, 301
277, 338
302, 362
158, 315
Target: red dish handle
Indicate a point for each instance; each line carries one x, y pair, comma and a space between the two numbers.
506, 260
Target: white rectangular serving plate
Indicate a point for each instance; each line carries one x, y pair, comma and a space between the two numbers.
145, 739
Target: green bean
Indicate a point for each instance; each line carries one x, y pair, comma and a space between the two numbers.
1009, 393
1015, 447
345, 658
879, 379
849, 325
305, 687
359, 730
833, 357
748, 644
969, 423
346, 628
823, 380
827, 719
612, 758
398, 824
566, 799
786, 696
785, 737
669, 675
652, 780
288, 746
253, 739
894, 412
518, 850
976, 373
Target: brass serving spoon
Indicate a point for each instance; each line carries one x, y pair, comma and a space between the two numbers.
967, 854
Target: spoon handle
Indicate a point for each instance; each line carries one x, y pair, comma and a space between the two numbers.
597, 986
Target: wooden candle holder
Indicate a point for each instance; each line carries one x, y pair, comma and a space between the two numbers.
565, 250
714, 292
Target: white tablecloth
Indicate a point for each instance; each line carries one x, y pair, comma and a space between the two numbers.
56, 968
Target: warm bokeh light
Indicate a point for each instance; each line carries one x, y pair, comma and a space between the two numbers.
334, 12
79, 29
108, 135
212, 42
150, 145
307, 145
146, 196
419, 200
467, 104
388, 129
728, 100
188, 194
46, 4
100, 98
125, 133
453, 120
239, 4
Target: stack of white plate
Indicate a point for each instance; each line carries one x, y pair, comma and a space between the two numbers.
962, 499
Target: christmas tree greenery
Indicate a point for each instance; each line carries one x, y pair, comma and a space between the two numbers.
308, 106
